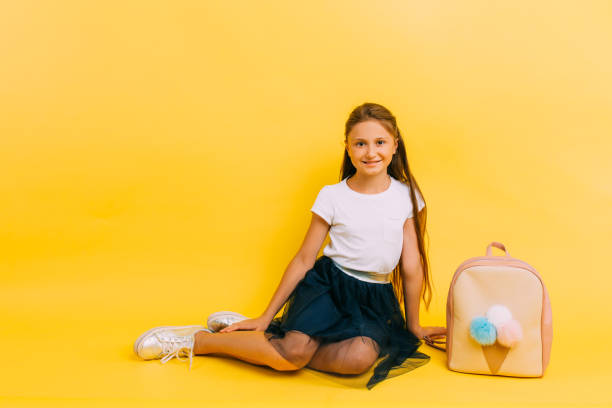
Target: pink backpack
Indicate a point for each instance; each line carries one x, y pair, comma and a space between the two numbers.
498, 318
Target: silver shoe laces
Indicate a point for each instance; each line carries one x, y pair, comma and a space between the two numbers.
172, 347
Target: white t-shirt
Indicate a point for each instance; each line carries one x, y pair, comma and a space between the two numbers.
366, 229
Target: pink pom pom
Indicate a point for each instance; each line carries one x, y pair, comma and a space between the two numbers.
510, 333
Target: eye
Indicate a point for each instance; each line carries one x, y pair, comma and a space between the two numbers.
382, 141
358, 143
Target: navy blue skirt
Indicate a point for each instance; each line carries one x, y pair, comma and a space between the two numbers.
331, 306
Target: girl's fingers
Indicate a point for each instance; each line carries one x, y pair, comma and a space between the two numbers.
228, 328
440, 330
435, 330
235, 326
238, 326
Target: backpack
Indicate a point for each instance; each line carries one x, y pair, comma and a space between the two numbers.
498, 318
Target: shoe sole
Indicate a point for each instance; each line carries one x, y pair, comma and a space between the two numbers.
148, 332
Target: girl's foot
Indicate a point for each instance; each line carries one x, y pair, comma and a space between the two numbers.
167, 342
220, 320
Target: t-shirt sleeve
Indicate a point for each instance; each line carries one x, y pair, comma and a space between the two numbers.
323, 205
420, 202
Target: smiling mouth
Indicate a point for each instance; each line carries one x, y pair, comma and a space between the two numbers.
373, 162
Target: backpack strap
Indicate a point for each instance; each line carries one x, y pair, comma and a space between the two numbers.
497, 245
434, 340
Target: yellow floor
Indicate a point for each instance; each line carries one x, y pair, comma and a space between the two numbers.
67, 340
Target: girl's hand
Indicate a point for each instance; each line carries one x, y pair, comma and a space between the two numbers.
420, 332
259, 324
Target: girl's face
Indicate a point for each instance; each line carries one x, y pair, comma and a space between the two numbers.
370, 147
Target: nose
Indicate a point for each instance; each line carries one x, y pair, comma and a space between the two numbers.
371, 152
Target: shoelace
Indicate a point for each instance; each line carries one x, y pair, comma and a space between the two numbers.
173, 346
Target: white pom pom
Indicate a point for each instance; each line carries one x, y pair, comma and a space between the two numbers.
499, 315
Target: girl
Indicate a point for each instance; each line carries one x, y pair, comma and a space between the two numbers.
341, 311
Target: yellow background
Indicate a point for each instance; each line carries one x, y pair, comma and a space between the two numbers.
159, 159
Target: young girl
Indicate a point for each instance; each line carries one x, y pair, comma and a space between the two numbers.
341, 311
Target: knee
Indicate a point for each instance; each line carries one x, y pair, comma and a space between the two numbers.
359, 363
298, 356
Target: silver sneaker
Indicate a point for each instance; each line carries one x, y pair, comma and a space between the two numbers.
220, 320
167, 342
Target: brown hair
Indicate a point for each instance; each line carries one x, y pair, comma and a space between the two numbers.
398, 169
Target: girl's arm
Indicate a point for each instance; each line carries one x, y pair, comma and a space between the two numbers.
412, 276
301, 263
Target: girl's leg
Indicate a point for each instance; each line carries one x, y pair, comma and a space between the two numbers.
289, 353
350, 356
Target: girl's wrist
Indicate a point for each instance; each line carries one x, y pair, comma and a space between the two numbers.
266, 317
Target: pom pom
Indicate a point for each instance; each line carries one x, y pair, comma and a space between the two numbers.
483, 331
499, 315
510, 333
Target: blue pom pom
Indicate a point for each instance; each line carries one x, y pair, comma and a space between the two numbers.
483, 331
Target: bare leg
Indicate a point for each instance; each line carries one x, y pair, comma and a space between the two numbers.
250, 346
350, 356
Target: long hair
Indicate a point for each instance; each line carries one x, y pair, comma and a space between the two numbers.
398, 169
